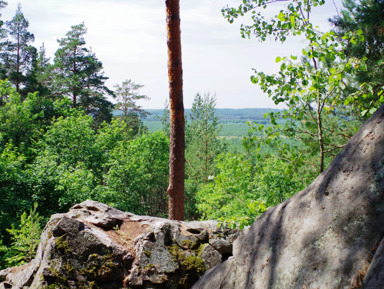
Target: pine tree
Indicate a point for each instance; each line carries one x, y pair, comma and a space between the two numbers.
368, 16
80, 76
203, 145
164, 118
18, 54
41, 76
202, 148
127, 96
3, 41
177, 122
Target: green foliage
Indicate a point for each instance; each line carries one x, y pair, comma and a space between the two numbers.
24, 239
67, 163
313, 88
134, 124
292, 20
243, 188
6, 90
138, 175
71, 161
23, 120
20, 121
319, 78
109, 135
3, 250
153, 126
367, 16
71, 140
12, 187
313, 91
294, 141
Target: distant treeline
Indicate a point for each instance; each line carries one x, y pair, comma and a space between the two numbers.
224, 114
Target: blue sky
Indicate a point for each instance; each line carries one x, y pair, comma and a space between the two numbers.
129, 37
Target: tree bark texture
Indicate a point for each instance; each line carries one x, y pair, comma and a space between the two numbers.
320, 137
177, 122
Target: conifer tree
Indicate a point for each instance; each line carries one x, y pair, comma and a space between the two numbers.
3, 41
42, 77
127, 96
203, 145
80, 76
367, 16
18, 54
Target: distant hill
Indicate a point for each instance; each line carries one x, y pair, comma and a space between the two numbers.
233, 122
224, 114
243, 114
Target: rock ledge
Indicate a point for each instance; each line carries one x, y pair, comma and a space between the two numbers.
96, 246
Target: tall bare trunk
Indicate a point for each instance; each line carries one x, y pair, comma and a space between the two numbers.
18, 64
320, 137
319, 124
177, 138
206, 140
74, 69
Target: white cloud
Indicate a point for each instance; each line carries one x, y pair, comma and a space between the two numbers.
129, 37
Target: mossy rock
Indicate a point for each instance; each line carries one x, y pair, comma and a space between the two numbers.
189, 245
193, 264
62, 245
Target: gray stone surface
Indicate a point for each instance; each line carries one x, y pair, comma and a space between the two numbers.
374, 278
327, 236
96, 246
211, 256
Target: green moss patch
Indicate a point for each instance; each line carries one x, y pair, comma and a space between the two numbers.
192, 267
62, 245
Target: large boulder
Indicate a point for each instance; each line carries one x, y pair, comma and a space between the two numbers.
96, 246
328, 236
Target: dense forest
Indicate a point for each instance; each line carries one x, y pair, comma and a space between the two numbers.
62, 139
233, 123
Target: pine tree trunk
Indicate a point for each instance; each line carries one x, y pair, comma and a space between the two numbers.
18, 65
321, 146
320, 137
177, 138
